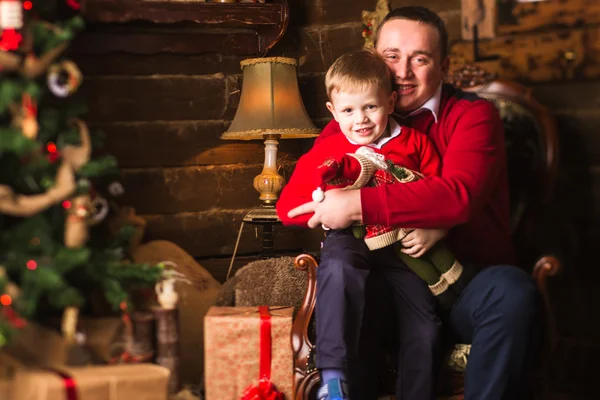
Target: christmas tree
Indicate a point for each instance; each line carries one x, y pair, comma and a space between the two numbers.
54, 250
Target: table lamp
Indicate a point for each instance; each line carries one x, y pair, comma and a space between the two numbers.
270, 108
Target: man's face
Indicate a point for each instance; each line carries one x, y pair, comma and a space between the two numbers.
412, 52
362, 114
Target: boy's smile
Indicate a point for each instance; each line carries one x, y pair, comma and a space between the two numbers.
362, 112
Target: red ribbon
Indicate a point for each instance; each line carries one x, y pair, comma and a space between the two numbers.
69, 383
265, 390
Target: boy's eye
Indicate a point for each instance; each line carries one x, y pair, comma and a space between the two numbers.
347, 110
371, 107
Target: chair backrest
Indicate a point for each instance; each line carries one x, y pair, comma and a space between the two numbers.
531, 137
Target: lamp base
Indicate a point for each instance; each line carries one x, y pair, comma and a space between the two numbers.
265, 214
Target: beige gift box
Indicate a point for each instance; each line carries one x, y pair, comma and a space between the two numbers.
28, 372
232, 351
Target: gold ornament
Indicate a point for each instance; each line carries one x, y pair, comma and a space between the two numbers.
371, 21
30, 127
76, 224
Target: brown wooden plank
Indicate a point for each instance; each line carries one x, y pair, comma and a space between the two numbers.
580, 139
172, 190
312, 90
189, 189
322, 45
434, 5
171, 40
324, 12
164, 11
185, 143
159, 97
516, 17
539, 57
214, 233
161, 64
480, 13
568, 96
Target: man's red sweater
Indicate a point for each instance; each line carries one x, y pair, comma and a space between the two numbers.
470, 197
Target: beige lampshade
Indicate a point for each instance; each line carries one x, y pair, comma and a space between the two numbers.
270, 103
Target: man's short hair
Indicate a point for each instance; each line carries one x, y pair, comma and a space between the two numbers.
356, 70
420, 14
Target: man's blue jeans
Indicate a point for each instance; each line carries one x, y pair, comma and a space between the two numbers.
496, 313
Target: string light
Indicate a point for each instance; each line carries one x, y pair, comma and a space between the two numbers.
66, 204
27, 5
31, 264
51, 147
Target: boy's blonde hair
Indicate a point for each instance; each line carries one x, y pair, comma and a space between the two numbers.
356, 70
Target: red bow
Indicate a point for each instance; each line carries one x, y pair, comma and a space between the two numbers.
265, 389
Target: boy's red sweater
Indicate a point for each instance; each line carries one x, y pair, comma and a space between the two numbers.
470, 197
410, 149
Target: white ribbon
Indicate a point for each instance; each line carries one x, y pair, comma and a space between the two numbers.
378, 160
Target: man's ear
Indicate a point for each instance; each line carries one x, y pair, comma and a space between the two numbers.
392, 102
331, 110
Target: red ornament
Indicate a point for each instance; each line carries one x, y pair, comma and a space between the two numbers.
53, 157
14, 318
74, 4
10, 40
31, 265
5, 300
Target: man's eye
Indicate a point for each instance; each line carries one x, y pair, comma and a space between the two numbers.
420, 60
391, 57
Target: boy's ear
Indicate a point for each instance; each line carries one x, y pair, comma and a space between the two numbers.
392, 102
331, 110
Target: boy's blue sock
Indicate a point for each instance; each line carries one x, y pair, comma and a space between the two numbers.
331, 373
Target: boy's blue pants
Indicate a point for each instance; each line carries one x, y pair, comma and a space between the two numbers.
341, 284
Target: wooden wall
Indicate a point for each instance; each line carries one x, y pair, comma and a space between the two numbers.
163, 114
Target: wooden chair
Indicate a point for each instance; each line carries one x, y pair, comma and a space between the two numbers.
532, 151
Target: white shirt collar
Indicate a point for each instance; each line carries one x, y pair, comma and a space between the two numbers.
395, 130
433, 105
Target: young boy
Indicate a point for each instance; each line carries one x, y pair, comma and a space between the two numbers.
373, 150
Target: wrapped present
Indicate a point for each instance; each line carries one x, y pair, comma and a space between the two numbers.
234, 362
36, 367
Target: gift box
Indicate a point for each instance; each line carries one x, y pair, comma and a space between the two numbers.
35, 367
232, 347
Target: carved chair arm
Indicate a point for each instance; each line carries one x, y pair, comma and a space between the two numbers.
544, 268
301, 344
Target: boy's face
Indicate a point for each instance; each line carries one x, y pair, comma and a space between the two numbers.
362, 114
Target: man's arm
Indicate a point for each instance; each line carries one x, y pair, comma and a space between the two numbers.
471, 167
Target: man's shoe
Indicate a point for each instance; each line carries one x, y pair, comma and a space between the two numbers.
333, 389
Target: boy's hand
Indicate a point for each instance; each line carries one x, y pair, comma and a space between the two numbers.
419, 241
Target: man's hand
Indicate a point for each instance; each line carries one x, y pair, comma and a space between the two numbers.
419, 241
338, 211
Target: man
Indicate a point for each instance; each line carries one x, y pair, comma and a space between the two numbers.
470, 199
